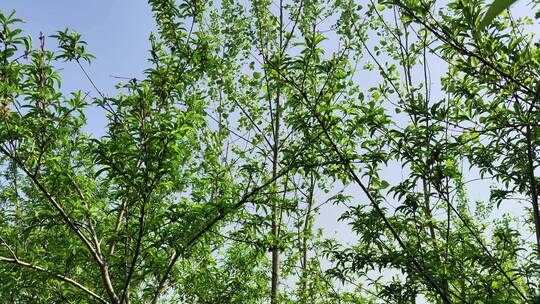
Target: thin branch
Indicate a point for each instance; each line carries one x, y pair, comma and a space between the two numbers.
60, 277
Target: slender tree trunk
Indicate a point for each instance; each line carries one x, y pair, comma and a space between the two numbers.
274, 298
16, 199
275, 252
532, 185
275, 212
427, 207
275, 222
307, 226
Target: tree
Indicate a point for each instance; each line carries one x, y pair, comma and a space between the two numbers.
214, 172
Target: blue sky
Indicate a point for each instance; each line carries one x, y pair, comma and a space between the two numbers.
116, 32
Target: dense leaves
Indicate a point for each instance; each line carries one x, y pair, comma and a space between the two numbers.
220, 174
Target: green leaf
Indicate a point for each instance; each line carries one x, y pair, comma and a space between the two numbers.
494, 10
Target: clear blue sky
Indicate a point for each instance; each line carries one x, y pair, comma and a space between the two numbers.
116, 32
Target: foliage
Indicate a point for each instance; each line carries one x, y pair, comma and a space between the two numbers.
497, 7
218, 172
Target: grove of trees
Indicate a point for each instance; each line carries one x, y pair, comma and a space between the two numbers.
216, 171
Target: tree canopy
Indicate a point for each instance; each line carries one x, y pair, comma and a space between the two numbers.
417, 120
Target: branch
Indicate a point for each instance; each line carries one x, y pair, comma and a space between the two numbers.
294, 164
95, 252
55, 275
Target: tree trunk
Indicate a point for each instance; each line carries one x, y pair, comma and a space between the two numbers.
532, 186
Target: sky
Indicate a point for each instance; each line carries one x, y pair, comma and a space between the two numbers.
116, 32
